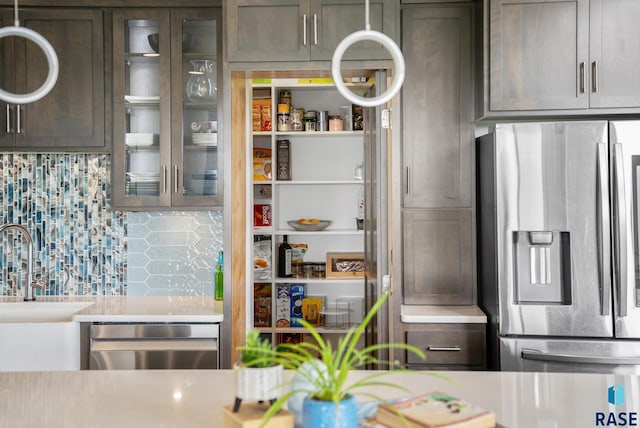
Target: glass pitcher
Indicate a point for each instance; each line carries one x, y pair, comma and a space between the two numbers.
201, 86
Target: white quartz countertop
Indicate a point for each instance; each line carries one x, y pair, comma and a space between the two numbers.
194, 398
442, 314
202, 309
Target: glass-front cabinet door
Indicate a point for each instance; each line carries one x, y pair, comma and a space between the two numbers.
195, 137
166, 69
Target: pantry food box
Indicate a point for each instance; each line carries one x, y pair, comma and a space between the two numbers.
283, 305
261, 215
297, 295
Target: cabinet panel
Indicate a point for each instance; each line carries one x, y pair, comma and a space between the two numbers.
438, 257
333, 20
615, 53
268, 30
436, 108
72, 115
539, 54
303, 30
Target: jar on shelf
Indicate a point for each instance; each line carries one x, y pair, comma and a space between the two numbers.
310, 117
283, 117
296, 119
322, 121
335, 123
285, 97
201, 85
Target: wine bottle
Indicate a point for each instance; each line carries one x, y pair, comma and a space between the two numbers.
284, 258
219, 278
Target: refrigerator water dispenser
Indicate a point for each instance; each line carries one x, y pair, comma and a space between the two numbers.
542, 267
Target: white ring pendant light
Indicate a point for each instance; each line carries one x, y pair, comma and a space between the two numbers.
387, 43
49, 52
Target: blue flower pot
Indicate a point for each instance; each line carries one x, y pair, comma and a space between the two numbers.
325, 414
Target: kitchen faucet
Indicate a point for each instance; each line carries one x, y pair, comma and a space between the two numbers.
31, 284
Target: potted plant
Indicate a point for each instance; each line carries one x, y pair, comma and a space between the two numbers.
258, 377
322, 374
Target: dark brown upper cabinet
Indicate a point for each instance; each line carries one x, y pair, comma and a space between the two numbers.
72, 116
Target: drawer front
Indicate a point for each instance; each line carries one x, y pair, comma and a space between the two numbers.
448, 344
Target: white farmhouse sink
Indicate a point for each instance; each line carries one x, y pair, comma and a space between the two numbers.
39, 336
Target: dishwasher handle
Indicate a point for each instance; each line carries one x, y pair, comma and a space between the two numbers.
176, 345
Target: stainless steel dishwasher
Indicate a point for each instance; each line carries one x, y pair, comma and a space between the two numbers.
153, 346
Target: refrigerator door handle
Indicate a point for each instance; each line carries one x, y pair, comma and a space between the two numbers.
605, 242
621, 228
530, 354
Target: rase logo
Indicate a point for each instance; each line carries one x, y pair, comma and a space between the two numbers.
615, 396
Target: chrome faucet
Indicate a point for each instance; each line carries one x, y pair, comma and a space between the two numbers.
31, 284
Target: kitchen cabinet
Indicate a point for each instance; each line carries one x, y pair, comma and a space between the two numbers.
303, 30
319, 181
563, 55
167, 151
437, 156
437, 115
72, 116
448, 346
438, 257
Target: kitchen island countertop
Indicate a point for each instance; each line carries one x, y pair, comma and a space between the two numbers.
147, 309
194, 398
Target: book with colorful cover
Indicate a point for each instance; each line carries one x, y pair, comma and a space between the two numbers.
434, 410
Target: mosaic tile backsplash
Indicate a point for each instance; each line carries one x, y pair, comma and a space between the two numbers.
83, 247
62, 199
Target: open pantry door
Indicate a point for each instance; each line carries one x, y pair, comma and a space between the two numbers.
375, 213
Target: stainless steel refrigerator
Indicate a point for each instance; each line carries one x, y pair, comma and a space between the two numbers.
558, 235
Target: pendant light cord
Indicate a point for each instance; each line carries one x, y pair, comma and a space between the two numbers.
16, 22
367, 26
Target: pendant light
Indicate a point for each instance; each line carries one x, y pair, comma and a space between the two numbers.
387, 43
50, 53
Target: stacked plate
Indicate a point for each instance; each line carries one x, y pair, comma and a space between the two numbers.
208, 139
143, 184
139, 139
134, 99
205, 184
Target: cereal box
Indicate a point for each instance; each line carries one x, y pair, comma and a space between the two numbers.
262, 305
262, 166
311, 307
296, 295
283, 305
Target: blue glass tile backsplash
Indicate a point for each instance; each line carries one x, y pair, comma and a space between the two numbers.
83, 247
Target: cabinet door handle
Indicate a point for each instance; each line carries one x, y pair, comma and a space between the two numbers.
315, 29
164, 178
407, 180
304, 29
175, 178
8, 117
444, 348
594, 76
582, 77
18, 120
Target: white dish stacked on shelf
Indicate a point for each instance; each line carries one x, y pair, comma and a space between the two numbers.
207, 139
206, 183
140, 139
136, 99
143, 177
